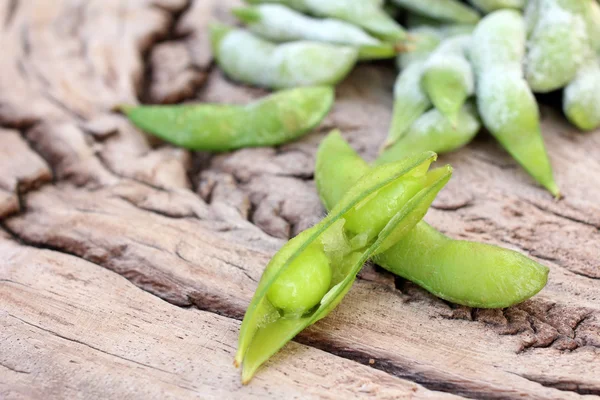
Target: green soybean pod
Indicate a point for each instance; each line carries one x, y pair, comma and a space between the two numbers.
447, 76
434, 132
556, 45
593, 24
446, 10
279, 23
506, 105
487, 6
463, 272
310, 274
426, 39
270, 121
368, 14
581, 98
247, 58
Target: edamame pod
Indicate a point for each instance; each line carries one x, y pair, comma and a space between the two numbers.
447, 10
581, 98
368, 14
506, 105
556, 45
487, 6
252, 60
593, 24
434, 132
468, 273
448, 77
279, 23
273, 120
426, 39
310, 274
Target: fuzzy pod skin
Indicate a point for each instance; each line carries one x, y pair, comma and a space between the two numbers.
329, 256
367, 14
432, 131
446, 10
488, 6
593, 24
270, 121
463, 272
448, 76
506, 105
556, 44
279, 23
247, 58
581, 98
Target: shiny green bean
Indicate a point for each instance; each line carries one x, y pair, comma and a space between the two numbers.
273, 120
468, 273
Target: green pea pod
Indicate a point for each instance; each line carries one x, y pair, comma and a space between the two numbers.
309, 276
273, 120
434, 132
468, 273
487, 6
556, 45
367, 14
506, 105
581, 98
255, 61
448, 77
279, 23
447, 10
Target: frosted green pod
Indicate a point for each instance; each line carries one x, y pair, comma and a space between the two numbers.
368, 14
487, 6
448, 77
279, 23
252, 60
581, 98
506, 105
432, 131
275, 315
447, 10
468, 273
593, 24
410, 101
270, 121
556, 45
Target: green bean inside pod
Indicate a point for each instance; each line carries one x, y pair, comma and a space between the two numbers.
250, 59
310, 274
463, 272
272, 120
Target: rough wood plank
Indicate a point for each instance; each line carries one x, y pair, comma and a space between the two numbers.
88, 333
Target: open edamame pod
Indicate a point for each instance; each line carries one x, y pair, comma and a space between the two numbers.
556, 44
487, 6
468, 273
273, 120
447, 10
368, 14
448, 77
279, 23
432, 131
506, 105
310, 274
252, 60
581, 98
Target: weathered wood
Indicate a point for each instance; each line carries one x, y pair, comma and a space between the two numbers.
196, 230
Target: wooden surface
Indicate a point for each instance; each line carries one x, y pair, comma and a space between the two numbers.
127, 264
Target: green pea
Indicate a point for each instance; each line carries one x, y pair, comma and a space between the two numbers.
368, 14
303, 284
506, 105
448, 77
467, 273
311, 273
432, 131
487, 6
273, 120
581, 98
252, 60
556, 45
447, 10
282, 24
